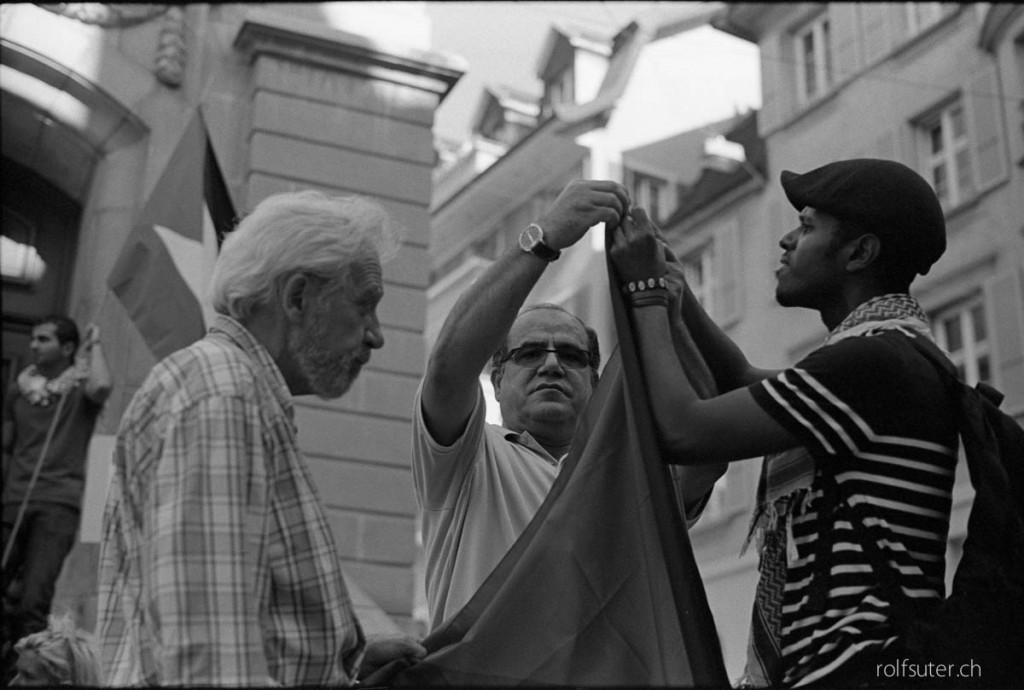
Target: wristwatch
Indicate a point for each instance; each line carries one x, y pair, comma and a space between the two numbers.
532, 240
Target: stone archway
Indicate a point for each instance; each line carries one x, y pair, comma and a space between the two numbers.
59, 131
56, 127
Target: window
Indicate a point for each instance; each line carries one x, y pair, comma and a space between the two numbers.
921, 15
813, 60
697, 269
963, 333
20, 263
948, 157
560, 89
649, 193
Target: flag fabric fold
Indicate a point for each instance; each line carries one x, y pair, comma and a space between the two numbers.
601, 588
163, 269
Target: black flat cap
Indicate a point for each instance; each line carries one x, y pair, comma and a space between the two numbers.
885, 197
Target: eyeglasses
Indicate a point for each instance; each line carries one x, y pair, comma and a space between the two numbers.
534, 355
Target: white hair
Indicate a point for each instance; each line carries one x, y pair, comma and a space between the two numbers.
306, 232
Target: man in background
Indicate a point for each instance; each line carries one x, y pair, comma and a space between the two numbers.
49, 415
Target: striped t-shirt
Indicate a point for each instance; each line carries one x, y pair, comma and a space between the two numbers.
874, 415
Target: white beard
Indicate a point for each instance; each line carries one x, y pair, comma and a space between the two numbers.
328, 375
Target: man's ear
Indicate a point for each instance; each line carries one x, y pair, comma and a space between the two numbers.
295, 296
862, 252
68, 348
496, 374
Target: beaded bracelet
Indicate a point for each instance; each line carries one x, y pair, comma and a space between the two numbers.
647, 299
634, 286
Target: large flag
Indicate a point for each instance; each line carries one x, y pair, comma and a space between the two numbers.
163, 270
601, 588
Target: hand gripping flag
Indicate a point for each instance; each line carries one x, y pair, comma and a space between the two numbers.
601, 588
163, 270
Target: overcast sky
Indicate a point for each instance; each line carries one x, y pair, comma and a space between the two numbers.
501, 42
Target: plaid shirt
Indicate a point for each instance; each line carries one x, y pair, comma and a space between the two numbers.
217, 565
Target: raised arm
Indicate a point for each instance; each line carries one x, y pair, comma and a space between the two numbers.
480, 320
723, 428
97, 385
724, 358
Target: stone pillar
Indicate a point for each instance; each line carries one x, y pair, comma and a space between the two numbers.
334, 111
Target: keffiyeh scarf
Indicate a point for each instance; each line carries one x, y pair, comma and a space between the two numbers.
41, 391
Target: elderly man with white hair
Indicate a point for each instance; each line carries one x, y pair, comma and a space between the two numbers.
218, 566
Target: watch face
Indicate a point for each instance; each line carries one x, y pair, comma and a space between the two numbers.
530, 238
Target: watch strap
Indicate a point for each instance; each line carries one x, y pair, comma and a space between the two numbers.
539, 248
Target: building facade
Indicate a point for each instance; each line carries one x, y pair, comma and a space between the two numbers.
335, 96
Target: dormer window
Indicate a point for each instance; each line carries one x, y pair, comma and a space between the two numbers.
571, 67
505, 115
558, 90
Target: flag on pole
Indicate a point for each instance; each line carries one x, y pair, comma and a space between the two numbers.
602, 587
164, 268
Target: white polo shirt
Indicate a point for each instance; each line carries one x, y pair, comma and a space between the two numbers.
475, 497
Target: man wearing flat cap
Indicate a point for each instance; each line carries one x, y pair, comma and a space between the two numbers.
858, 438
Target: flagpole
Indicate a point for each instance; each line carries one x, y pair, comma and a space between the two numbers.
42, 454
32, 482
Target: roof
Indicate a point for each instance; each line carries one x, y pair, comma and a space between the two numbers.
714, 184
508, 95
660, 22
742, 20
680, 152
573, 35
507, 99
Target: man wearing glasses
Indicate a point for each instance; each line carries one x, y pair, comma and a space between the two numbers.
478, 485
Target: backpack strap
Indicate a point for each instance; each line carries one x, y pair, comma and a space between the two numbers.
830, 501
903, 608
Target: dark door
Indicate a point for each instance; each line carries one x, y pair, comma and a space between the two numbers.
40, 236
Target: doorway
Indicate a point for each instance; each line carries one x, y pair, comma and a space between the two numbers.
40, 238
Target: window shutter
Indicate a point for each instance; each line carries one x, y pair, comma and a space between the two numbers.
1004, 294
727, 300
843, 21
874, 21
990, 159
